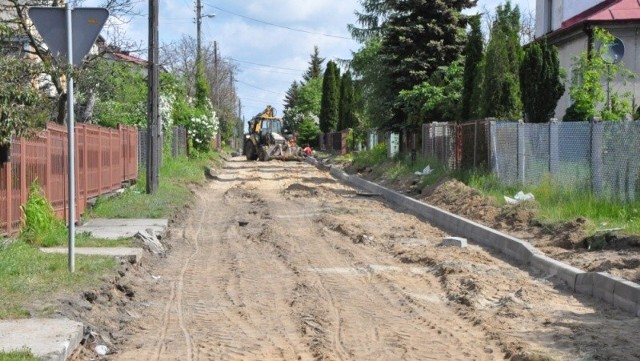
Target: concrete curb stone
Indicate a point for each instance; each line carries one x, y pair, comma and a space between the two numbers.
618, 292
454, 242
584, 283
554, 267
48, 339
626, 296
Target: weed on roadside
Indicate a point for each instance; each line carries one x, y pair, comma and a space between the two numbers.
41, 225
19, 355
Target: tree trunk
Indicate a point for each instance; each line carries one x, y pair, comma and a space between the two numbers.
62, 103
87, 114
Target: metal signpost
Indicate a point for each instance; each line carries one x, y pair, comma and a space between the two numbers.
69, 33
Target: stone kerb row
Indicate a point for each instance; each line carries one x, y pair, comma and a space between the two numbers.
618, 292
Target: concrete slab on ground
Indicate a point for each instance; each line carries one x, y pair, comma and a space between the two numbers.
47, 339
121, 228
132, 254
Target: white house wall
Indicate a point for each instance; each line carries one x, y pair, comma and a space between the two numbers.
561, 10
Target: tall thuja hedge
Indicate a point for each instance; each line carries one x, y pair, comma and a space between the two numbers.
346, 117
540, 82
329, 105
501, 95
472, 64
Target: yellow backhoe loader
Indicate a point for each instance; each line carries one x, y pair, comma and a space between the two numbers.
266, 140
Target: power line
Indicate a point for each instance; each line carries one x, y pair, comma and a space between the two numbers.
278, 26
254, 101
266, 66
253, 86
269, 71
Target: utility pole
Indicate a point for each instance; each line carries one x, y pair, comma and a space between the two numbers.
215, 73
198, 30
153, 132
199, 17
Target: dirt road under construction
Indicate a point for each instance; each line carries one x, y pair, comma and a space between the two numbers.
278, 261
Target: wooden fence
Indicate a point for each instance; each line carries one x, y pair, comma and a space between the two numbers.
105, 159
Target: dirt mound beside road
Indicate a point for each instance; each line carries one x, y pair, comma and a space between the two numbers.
568, 242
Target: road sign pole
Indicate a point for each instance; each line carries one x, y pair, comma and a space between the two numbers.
51, 23
70, 142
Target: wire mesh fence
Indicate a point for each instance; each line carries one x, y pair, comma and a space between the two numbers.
600, 157
456, 145
179, 144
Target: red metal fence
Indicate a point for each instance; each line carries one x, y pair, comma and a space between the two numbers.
105, 158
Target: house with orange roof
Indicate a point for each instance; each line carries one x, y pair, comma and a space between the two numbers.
569, 24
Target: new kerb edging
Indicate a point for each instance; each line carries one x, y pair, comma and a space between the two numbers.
616, 291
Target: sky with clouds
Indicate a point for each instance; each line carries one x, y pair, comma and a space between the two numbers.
269, 57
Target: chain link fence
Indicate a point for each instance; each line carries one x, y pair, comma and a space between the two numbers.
598, 157
603, 158
179, 145
457, 145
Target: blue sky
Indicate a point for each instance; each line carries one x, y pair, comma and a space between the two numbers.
282, 53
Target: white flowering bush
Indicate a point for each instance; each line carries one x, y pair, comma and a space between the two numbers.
166, 111
202, 127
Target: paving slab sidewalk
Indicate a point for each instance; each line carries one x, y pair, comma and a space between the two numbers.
47, 339
122, 228
56, 339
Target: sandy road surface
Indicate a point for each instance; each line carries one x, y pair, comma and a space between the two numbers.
277, 261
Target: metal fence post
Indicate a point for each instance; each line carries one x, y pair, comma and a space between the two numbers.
554, 148
47, 163
8, 167
597, 130
493, 162
521, 154
475, 144
24, 187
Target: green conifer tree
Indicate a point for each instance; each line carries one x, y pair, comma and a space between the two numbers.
346, 118
330, 98
540, 82
501, 94
473, 57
